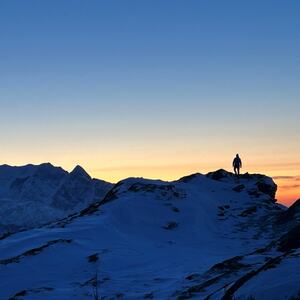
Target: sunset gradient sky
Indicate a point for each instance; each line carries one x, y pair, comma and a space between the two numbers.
152, 88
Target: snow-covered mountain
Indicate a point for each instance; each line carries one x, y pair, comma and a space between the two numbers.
203, 237
35, 195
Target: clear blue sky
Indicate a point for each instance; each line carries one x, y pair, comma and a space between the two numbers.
129, 84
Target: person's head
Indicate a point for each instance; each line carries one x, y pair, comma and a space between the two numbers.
237, 155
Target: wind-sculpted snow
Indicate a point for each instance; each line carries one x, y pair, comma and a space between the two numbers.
34, 195
203, 236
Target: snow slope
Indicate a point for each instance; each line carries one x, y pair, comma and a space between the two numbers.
202, 237
35, 195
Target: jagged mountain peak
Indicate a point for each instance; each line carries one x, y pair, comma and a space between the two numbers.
78, 171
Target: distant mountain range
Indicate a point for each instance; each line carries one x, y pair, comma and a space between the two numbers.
211, 236
35, 195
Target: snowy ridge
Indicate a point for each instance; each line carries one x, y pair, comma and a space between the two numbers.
203, 236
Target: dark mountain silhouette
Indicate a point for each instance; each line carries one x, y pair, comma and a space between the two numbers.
34, 195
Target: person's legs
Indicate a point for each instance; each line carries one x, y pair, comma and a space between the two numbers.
235, 170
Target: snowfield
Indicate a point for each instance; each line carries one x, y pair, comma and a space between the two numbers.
202, 237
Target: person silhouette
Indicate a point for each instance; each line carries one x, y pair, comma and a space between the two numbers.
237, 164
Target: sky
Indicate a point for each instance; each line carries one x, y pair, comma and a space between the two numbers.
152, 88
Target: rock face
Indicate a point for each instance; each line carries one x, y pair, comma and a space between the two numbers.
34, 195
291, 240
263, 184
291, 215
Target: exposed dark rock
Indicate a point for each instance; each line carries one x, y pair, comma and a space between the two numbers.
104, 279
120, 295
112, 194
229, 265
150, 188
229, 294
238, 188
175, 209
269, 189
32, 252
245, 176
90, 209
90, 282
189, 177
93, 258
263, 184
162, 191
192, 276
219, 174
248, 211
23, 293
171, 225
5, 235
149, 296
192, 291
254, 193
222, 210
291, 213
290, 240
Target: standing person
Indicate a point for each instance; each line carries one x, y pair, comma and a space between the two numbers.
237, 164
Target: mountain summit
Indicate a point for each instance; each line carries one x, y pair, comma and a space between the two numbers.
208, 236
78, 171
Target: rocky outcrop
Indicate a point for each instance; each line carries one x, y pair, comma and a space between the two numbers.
290, 240
268, 188
290, 217
219, 175
261, 183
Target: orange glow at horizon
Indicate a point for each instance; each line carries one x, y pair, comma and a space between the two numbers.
168, 163
288, 190
288, 184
